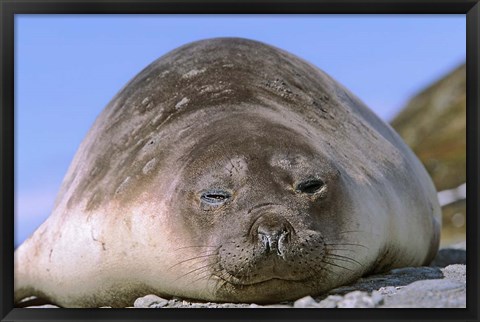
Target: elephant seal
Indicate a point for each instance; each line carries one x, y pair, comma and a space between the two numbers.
229, 170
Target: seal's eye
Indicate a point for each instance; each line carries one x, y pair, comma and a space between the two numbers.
310, 186
215, 197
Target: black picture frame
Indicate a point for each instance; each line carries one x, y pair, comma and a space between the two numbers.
471, 8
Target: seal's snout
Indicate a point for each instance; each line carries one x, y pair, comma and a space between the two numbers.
273, 233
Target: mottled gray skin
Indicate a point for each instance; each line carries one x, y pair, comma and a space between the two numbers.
258, 124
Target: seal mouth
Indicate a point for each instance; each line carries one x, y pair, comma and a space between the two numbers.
235, 281
267, 290
271, 280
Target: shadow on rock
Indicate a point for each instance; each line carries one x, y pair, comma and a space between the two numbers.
395, 278
449, 256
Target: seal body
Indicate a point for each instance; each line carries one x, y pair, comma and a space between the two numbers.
230, 170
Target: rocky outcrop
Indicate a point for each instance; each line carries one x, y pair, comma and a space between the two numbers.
433, 124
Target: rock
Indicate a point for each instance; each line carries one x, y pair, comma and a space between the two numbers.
440, 293
388, 290
377, 298
407, 287
417, 272
457, 273
150, 301
46, 306
330, 302
305, 302
449, 256
394, 278
253, 305
358, 299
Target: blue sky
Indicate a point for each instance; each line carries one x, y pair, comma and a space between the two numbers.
68, 67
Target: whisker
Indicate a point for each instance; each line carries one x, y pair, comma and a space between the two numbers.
196, 269
193, 258
201, 277
344, 249
222, 278
328, 270
212, 274
209, 274
344, 258
220, 283
352, 231
202, 274
316, 271
337, 265
347, 244
196, 246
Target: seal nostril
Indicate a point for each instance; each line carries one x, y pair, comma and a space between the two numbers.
273, 235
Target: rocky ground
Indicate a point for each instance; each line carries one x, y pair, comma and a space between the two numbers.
441, 285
